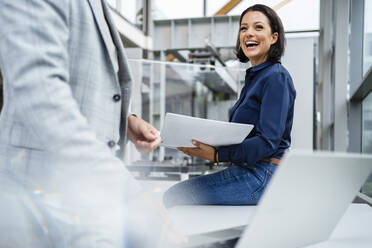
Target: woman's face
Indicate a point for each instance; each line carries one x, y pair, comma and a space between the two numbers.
256, 37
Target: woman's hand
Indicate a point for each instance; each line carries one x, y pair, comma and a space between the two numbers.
143, 135
201, 151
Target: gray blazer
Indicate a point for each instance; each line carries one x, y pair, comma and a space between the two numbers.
64, 105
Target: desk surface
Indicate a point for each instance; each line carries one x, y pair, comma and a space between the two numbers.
353, 230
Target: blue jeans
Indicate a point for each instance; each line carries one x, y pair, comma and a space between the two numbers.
235, 185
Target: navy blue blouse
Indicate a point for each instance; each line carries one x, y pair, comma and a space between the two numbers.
266, 101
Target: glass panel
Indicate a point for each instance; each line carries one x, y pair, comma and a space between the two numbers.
367, 50
367, 137
126, 8
129, 9
203, 91
295, 15
165, 9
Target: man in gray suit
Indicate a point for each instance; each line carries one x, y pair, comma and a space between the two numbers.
67, 89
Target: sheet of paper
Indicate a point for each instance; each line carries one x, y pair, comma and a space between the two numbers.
180, 130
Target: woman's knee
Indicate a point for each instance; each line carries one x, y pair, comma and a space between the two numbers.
178, 194
168, 199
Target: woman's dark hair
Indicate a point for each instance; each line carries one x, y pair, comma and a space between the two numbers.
276, 50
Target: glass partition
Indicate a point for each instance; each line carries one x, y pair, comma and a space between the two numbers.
367, 44
203, 91
367, 137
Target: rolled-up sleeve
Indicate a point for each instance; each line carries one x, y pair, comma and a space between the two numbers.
270, 127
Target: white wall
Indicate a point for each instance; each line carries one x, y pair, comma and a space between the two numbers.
298, 59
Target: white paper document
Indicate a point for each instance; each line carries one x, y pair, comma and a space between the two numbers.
180, 130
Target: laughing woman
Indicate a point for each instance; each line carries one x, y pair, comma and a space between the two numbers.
266, 101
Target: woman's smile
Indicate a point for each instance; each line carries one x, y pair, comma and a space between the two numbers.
251, 45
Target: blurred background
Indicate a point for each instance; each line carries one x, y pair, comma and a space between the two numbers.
182, 60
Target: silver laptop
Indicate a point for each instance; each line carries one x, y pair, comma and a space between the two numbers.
307, 196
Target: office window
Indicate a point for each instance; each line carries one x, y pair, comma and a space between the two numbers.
367, 47
367, 137
165, 9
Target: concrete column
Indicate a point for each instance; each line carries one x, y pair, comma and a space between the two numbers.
341, 26
356, 73
163, 76
1, 92
325, 102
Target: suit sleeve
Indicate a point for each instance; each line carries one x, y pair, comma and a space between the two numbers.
34, 60
270, 127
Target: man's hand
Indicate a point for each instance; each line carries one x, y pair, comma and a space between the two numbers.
201, 151
143, 135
